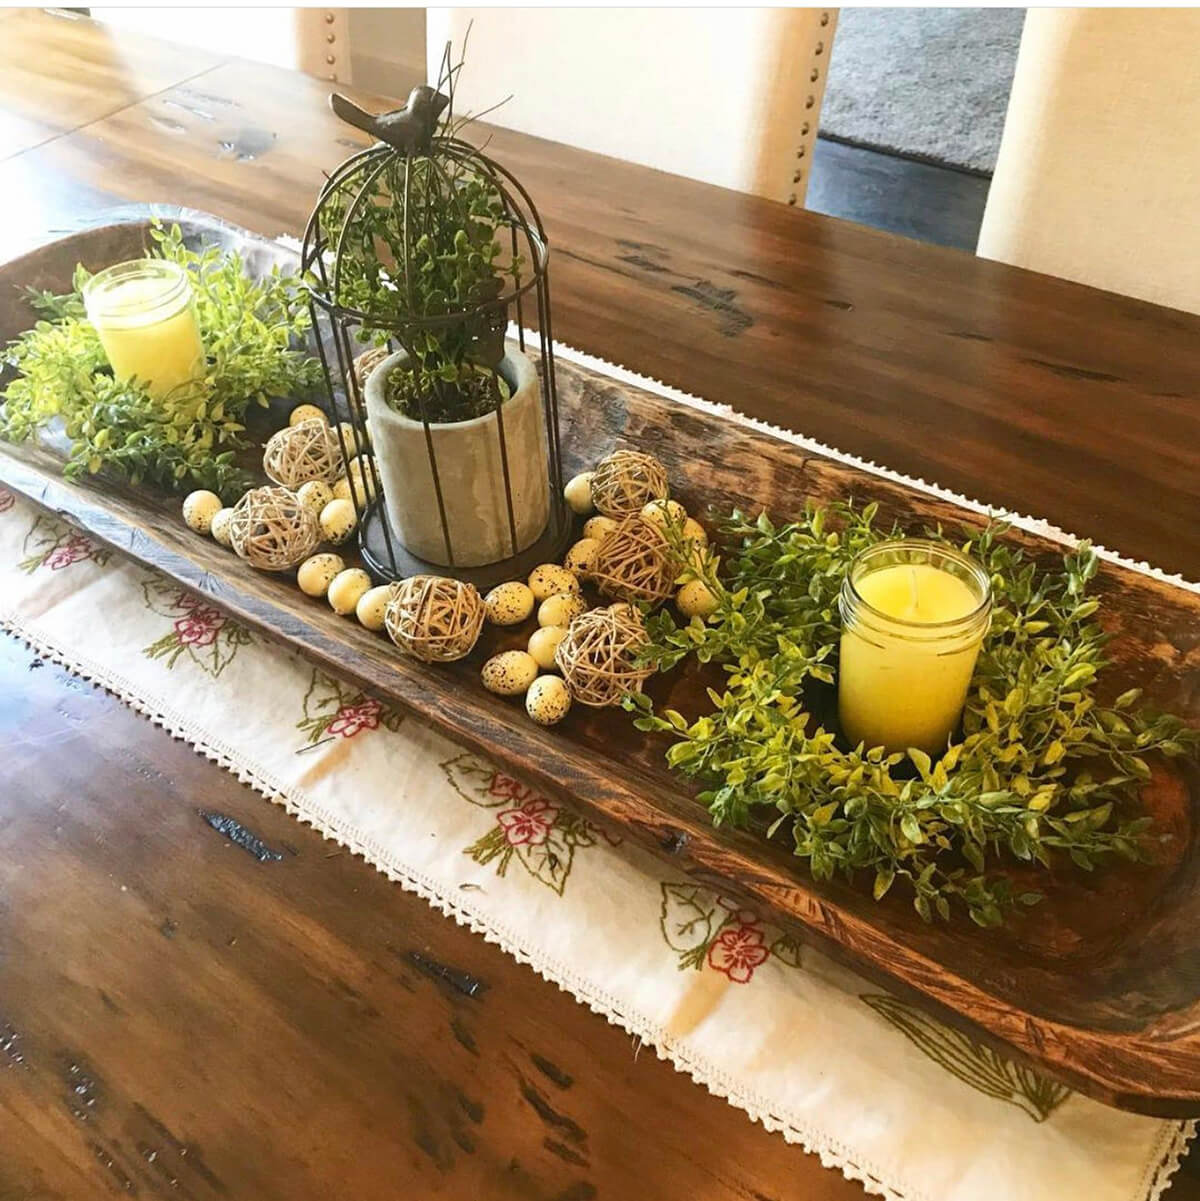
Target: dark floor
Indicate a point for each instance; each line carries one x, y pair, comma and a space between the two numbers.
916, 200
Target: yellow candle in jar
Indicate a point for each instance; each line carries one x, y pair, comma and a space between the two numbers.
144, 315
913, 617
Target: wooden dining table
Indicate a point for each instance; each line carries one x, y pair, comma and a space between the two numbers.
402, 1055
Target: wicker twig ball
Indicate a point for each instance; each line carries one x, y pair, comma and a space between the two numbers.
627, 480
434, 618
303, 452
598, 656
272, 530
634, 563
366, 362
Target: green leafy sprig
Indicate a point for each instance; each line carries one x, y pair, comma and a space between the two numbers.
250, 328
1043, 772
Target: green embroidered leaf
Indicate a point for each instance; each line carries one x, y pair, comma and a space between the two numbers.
549, 861
689, 917
973, 1064
472, 779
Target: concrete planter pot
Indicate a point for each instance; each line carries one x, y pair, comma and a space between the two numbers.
470, 471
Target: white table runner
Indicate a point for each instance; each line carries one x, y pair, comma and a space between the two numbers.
893, 1099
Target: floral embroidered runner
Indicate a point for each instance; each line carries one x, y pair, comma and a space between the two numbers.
893, 1098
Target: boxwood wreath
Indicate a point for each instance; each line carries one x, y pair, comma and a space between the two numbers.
1042, 771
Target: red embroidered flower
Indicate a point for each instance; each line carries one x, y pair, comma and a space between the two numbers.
200, 627
530, 825
737, 951
506, 786
350, 719
75, 548
7, 500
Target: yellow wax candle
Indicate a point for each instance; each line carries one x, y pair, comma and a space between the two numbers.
913, 617
144, 315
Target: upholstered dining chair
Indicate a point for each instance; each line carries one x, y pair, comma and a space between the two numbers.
722, 95
1098, 178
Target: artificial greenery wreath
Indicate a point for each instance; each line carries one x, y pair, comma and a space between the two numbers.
1041, 770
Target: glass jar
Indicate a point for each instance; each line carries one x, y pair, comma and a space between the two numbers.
914, 614
145, 316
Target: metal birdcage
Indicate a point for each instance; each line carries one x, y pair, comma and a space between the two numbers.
420, 252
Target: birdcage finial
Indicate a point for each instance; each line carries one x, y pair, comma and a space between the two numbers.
409, 129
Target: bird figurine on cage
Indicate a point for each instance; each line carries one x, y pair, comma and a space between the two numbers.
409, 129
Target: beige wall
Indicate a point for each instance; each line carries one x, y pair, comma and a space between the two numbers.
720, 95
387, 49
1098, 178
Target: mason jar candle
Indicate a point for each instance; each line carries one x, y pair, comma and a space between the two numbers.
914, 614
146, 319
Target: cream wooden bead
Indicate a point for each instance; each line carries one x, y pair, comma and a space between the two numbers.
596, 527
316, 573
314, 495
578, 494
664, 512
199, 509
509, 673
559, 609
543, 642
338, 520
509, 604
347, 589
372, 606
547, 700
695, 599
549, 579
581, 556
219, 528
306, 413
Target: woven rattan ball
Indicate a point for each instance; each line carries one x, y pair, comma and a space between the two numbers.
303, 452
366, 362
598, 656
627, 480
272, 530
634, 563
434, 618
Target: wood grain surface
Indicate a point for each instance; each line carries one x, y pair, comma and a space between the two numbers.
1024, 390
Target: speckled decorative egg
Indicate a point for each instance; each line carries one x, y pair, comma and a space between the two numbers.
559, 609
316, 573
509, 604
664, 512
338, 520
306, 413
547, 700
348, 438
550, 578
199, 508
372, 606
695, 599
314, 495
219, 526
347, 589
361, 479
581, 556
578, 493
693, 531
341, 490
543, 642
596, 527
509, 673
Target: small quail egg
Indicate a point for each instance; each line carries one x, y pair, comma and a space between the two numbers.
361, 477
596, 527
560, 609
693, 531
547, 700
509, 604
581, 556
509, 673
317, 572
347, 588
372, 605
695, 599
348, 438
219, 527
199, 508
543, 642
549, 578
664, 512
314, 495
578, 493
338, 520
341, 490
306, 413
